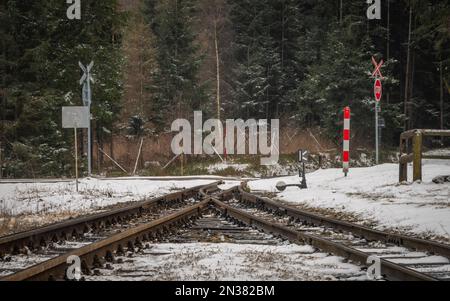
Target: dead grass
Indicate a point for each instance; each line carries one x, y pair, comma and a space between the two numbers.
14, 224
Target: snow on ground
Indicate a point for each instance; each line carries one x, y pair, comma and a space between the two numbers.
223, 166
230, 262
17, 199
374, 195
25, 206
29, 205
438, 152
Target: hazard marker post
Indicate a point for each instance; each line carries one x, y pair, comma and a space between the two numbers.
346, 144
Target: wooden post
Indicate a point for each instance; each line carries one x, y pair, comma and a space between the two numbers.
114, 161
182, 164
76, 158
1, 161
138, 156
403, 165
417, 146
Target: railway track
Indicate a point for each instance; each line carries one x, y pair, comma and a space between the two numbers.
21, 250
401, 258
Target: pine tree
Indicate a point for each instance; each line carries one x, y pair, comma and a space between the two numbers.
41, 67
176, 89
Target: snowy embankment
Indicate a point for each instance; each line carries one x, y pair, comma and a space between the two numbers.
374, 196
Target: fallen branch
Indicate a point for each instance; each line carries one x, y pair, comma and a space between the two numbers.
138, 157
114, 161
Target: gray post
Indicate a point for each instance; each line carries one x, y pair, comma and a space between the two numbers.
377, 134
89, 128
76, 158
86, 80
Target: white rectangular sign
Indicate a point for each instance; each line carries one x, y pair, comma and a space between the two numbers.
75, 117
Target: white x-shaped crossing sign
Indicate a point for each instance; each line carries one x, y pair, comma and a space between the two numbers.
87, 72
377, 73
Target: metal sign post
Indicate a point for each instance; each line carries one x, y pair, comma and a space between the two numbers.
76, 157
378, 92
75, 117
381, 126
85, 81
377, 145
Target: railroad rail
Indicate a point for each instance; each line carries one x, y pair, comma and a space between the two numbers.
95, 254
298, 228
16, 243
326, 234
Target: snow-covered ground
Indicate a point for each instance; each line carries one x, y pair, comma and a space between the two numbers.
19, 199
223, 166
373, 195
30, 205
231, 262
369, 195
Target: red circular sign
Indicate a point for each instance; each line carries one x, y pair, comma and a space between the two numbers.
378, 90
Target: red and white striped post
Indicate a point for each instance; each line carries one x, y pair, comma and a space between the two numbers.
346, 153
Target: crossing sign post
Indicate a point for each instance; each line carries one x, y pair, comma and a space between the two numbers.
86, 81
378, 93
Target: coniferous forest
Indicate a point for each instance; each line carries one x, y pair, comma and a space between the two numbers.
300, 61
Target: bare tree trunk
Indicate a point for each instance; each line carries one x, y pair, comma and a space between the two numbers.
408, 73
2, 134
111, 144
1, 159
141, 80
442, 95
282, 34
388, 46
216, 43
411, 90
341, 6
